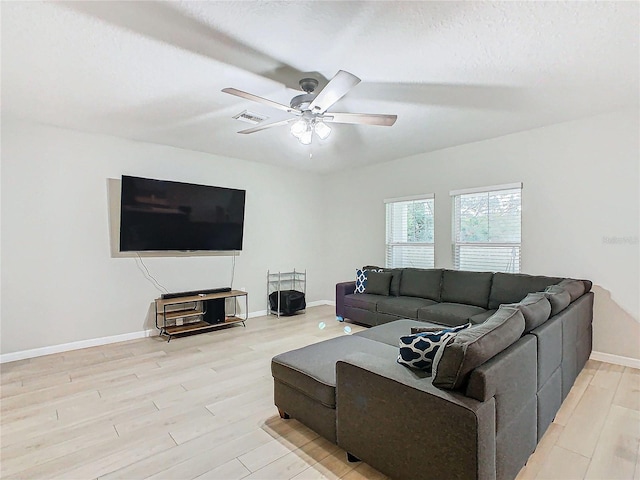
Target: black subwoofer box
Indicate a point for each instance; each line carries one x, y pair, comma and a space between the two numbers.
291, 301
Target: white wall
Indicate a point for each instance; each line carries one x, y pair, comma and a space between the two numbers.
60, 281
580, 192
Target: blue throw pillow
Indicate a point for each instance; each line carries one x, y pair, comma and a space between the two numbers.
361, 279
419, 350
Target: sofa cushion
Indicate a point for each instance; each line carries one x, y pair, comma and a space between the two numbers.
423, 283
472, 347
312, 369
575, 288
451, 314
535, 308
390, 332
403, 306
558, 297
378, 283
470, 288
365, 301
482, 317
513, 287
419, 349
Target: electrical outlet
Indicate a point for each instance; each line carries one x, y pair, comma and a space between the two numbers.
243, 289
179, 321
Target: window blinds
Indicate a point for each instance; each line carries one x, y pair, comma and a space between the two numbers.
487, 229
409, 240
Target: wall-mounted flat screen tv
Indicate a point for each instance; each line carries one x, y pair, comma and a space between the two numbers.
159, 215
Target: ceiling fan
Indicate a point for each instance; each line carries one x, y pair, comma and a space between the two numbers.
310, 108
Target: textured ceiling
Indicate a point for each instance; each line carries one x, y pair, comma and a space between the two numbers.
453, 72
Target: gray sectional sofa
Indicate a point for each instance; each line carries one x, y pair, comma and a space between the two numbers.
497, 387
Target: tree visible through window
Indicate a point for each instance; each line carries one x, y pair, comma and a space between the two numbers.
410, 232
487, 229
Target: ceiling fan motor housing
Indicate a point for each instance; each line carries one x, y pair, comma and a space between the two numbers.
308, 84
301, 102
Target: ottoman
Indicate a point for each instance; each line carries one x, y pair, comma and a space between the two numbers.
305, 379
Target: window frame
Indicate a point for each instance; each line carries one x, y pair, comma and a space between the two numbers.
389, 245
456, 244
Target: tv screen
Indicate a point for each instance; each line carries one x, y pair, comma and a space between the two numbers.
159, 215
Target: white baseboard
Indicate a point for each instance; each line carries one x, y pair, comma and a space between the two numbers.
94, 342
65, 347
321, 302
616, 359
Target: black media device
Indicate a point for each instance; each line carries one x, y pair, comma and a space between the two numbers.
161, 215
214, 311
164, 296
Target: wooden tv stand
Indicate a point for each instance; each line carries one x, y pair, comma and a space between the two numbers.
187, 314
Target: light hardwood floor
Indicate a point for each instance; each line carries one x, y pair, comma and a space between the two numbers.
201, 407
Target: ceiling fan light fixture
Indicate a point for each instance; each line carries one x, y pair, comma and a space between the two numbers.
305, 138
299, 127
322, 129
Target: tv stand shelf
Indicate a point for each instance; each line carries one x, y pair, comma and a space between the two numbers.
189, 313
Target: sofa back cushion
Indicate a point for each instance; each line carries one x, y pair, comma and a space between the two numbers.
423, 283
576, 288
470, 288
513, 287
558, 297
535, 308
473, 346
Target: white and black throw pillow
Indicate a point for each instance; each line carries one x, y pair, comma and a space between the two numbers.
361, 279
419, 350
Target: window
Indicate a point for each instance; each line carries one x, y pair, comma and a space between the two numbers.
410, 232
486, 228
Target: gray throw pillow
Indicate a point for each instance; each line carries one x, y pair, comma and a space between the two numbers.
558, 297
473, 346
394, 288
574, 287
535, 308
378, 282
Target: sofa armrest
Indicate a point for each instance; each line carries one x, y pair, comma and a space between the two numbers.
342, 289
394, 419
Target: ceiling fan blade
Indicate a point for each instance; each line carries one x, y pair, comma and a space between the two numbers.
172, 24
337, 87
491, 97
265, 101
268, 125
361, 118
